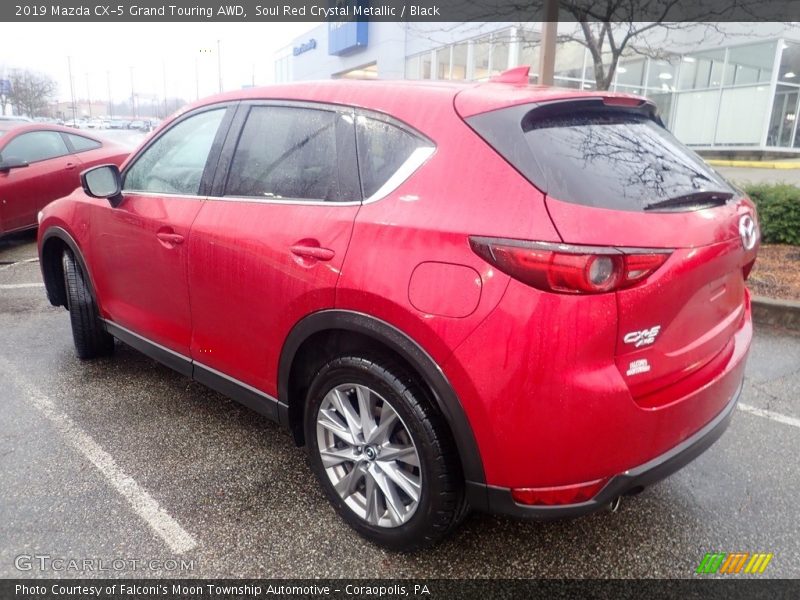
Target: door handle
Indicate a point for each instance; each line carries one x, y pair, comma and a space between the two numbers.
314, 252
69, 167
169, 239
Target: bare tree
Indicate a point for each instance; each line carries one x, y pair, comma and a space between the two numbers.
31, 92
5, 98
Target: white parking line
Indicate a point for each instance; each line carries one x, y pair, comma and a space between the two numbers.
19, 262
177, 538
768, 414
19, 286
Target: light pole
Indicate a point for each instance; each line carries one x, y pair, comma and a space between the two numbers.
133, 97
71, 90
164, 70
88, 95
110, 103
219, 66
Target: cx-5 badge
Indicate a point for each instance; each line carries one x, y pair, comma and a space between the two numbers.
645, 337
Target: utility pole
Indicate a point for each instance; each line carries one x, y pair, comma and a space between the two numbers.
110, 102
88, 95
71, 90
164, 70
219, 66
196, 78
547, 56
133, 96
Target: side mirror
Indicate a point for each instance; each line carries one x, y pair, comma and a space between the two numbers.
104, 181
6, 164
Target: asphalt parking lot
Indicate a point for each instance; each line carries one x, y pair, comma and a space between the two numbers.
123, 459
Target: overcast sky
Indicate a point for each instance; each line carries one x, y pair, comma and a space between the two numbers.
108, 51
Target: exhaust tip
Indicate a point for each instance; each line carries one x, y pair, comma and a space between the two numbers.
613, 506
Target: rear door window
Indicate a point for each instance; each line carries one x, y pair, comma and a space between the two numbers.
294, 153
607, 158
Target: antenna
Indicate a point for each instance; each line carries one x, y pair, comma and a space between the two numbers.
515, 75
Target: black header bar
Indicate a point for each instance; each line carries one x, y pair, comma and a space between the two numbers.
396, 10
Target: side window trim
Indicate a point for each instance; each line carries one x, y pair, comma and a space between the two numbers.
237, 127
213, 155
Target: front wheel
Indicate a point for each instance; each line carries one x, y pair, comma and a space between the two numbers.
90, 337
383, 455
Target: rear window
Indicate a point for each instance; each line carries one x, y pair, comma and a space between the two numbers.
608, 158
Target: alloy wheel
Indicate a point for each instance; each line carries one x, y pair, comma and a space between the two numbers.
369, 455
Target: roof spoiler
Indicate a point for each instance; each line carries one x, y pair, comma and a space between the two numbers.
515, 75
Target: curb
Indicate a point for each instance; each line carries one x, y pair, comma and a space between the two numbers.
754, 164
782, 313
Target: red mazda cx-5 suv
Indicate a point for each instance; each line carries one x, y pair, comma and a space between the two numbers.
518, 299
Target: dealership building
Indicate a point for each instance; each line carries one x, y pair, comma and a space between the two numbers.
738, 90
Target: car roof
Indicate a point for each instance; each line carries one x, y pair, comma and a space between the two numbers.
470, 98
23, 127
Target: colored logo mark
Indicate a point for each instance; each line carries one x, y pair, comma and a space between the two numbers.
734, 562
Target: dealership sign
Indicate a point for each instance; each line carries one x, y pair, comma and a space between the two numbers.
5, 86
309, 45
345, 37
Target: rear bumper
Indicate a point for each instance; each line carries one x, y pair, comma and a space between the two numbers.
499, 500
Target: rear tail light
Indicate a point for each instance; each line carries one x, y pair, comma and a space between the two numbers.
565, 494
568, 269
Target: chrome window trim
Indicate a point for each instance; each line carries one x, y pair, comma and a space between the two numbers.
418, 158
163, 194
289, 201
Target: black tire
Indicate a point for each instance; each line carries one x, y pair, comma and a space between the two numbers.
441, 505
89, 334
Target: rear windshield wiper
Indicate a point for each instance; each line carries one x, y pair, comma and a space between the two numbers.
695, 200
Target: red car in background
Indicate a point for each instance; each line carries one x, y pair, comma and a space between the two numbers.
40, 163
518, 299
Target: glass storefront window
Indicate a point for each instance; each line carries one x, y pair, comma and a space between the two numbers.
567, 83
630, 72
425, 71
529, 50
790, 63
569, 60
664, 106
413, 67
741, 115
481, 53
499, 53
750, 64
784, 117
443, 63
700, 71
459, 68
661, 75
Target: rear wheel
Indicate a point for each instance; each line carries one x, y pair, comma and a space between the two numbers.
90, 337
383, 455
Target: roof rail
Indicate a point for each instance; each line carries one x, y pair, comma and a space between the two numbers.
515, 75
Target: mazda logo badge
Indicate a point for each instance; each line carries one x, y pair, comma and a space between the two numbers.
748, 232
